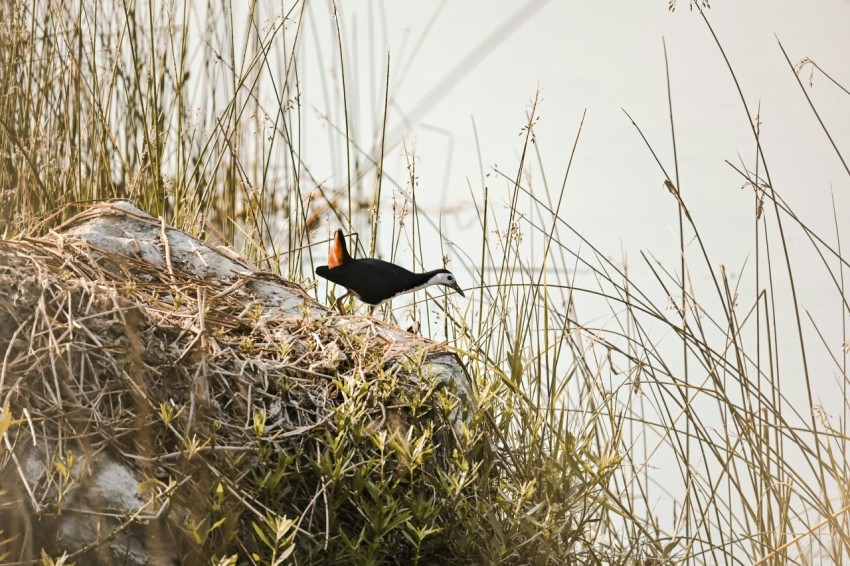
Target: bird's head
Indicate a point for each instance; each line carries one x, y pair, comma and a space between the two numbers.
445, 277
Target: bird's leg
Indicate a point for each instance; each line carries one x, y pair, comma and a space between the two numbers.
414, 328
339, 301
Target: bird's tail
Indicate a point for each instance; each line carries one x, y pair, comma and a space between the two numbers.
338, 253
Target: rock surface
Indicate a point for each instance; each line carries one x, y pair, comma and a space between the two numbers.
113, 320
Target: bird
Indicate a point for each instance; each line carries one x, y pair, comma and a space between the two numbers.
375, 281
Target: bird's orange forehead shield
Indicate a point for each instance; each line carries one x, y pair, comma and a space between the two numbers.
336, 255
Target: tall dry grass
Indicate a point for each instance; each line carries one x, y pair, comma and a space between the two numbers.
198, 116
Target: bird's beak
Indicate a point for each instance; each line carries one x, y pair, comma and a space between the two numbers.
457, 288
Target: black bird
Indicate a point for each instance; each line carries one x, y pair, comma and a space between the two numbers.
374, 281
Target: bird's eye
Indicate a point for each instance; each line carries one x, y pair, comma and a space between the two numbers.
450, 277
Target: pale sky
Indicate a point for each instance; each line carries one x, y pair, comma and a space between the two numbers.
453, 62
604, 56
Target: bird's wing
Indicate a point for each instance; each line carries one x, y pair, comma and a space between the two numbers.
373, 280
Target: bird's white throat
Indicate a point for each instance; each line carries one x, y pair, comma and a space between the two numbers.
436, 279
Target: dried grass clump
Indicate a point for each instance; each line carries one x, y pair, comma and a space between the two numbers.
151, 416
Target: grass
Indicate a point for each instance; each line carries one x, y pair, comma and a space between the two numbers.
677, 392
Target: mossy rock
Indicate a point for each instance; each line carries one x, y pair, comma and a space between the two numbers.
164, 402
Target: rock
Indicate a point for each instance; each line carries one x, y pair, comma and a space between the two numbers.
137, 359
